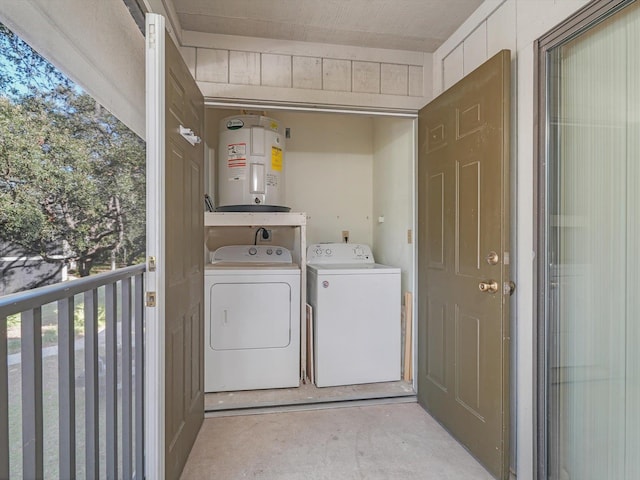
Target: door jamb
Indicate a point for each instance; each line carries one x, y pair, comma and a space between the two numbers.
154, 316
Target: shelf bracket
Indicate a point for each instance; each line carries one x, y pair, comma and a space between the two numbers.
189, 136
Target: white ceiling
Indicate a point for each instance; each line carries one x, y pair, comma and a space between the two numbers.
416, 25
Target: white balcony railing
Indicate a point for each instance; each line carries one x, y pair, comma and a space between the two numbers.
97, 429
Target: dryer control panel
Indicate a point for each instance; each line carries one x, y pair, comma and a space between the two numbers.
252, 254
339, 253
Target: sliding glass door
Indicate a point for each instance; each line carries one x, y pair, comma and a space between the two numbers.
590, 233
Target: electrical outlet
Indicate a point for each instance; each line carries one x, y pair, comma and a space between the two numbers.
266, 235
345, 236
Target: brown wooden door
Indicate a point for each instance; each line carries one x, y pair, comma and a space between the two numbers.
184, 305
463, 211
175, 238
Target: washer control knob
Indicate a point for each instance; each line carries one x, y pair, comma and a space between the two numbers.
328, 251
253, 251
318, 251
269, 251
279, 251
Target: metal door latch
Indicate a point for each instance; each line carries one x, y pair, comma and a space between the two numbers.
509, 287
151, 299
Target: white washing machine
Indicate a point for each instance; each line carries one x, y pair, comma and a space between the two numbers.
356, 314
252, 327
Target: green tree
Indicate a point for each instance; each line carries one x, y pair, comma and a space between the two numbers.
72, 176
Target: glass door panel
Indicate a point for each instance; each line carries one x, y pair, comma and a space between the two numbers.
593, 244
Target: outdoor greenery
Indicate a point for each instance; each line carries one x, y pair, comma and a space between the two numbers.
50, 324
72, 176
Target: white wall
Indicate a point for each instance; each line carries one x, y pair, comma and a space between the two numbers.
233, 67
94, 42
512, 24
393, 193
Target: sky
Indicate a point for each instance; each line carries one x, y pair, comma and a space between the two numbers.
12, 83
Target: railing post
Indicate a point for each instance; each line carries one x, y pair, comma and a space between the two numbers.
66, 388
127, 364
111, 346
4, 400
91, 386
31, 351
139, 374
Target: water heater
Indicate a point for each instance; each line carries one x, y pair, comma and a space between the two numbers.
251, 165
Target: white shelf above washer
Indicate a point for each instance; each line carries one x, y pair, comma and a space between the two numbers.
254, 219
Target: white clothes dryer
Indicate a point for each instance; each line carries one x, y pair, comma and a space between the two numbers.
252, 319
356, 315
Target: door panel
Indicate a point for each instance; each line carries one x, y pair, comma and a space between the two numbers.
185, 289
467, 362
463, 208
436, 217
468, 218
175, 234
436, 347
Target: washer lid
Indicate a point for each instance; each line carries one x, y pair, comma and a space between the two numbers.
353, 269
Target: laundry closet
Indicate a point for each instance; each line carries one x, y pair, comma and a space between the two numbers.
347, 178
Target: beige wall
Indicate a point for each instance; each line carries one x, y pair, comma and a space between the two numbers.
329, 174
512, 24
393, 194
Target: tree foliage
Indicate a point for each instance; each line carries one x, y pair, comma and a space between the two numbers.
72, 176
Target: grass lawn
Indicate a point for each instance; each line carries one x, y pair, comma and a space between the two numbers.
50, 323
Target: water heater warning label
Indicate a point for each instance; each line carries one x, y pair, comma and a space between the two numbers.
276, 159
237, 155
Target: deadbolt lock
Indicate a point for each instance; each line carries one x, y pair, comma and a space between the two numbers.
488, 287
492, 258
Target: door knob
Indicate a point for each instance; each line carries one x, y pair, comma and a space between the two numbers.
488, 287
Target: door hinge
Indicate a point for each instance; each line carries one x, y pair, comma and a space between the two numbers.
151, 264
151, 299
151, 35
